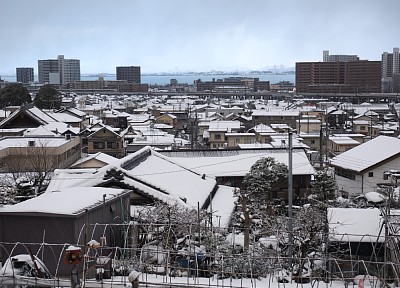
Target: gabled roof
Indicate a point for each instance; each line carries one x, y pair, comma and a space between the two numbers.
368, 154
39, 131
108, 128
237, 163
30, 113
99, 156
65, 117
149, 172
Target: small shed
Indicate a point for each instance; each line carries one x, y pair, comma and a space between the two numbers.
51, 222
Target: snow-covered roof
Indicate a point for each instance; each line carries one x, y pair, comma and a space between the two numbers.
289, 113
69, 201
148, 171
343, 140
224, 125
368, 154
102, 157
65, 117
262, 128
25, 142
222, 208
355, 225
238, 162
39, 131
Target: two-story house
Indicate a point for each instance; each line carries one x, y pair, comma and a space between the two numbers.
363, 168
102, 138
217, 132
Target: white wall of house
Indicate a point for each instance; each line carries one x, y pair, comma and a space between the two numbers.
368, 181
352, 187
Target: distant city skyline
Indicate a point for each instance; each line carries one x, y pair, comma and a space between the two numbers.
199, 35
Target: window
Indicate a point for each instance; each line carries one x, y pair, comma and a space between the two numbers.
385, 175
217, 136
345, 173
370, 174
362, 127
98, 145
111, 145
312, 141
237, 140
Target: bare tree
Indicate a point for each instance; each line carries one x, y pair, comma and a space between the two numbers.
34, 162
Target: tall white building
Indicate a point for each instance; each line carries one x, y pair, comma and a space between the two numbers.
396, 60
59, 71
391, 71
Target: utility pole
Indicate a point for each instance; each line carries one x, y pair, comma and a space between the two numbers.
321, 146
290, 203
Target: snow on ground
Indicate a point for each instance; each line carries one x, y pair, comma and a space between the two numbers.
269, 282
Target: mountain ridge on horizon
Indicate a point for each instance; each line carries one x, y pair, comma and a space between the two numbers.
289, 70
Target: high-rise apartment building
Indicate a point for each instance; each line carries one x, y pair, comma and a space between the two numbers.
25, 75
59, 71
360, 76
390, 69
129, 73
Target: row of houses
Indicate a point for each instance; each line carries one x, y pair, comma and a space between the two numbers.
127, 166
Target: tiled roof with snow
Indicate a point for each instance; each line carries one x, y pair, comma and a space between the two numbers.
238, 162
64, 117
148, 171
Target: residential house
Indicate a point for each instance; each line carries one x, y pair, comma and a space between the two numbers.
339, 144
336, 118
218, 130
309, 125
361, 126
263, 133
180, 111
26, 116
78, 113
288, 117
311, 140
150, 136
150, 177
70, 216
105, 139
364, 168
38, 153
229, 167
67, 118
167, 118
94, 161
235, 139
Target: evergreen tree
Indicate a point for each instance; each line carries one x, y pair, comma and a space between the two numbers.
47, 98
14, 94
324, 186
265, 177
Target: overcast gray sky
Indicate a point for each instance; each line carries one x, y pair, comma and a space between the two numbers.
196, 35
